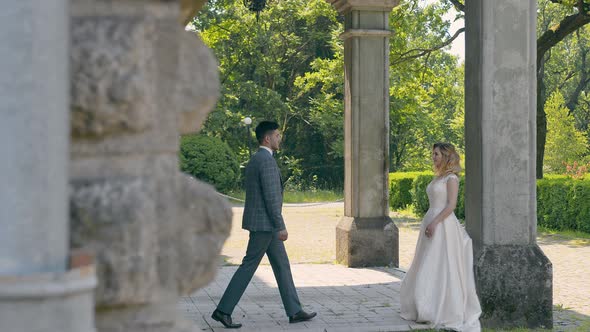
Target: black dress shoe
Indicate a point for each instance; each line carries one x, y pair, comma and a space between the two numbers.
301, 316
225, 319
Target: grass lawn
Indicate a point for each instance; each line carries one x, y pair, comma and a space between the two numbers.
311, 196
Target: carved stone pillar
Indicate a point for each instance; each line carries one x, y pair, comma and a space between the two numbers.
513, 276
366, 236
138, 80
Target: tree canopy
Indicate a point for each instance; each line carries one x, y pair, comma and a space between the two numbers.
286, 64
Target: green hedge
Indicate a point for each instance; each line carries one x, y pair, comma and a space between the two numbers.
209, 159
400, 186
579, 207
460, 210
552, 205
420, 198
562, 203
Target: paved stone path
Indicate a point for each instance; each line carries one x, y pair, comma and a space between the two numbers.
362, 299
345, 300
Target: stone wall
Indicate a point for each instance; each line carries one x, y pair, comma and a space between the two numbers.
138, 80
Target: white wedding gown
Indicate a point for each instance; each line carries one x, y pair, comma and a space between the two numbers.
439, 287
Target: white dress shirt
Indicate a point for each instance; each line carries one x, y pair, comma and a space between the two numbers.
267, 149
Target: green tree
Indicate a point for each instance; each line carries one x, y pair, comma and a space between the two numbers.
260, 61
557, 21
561, 132
288, 66
321, 92
209, 159
561, 60
426, 93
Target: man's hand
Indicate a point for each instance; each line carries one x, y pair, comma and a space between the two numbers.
283, 235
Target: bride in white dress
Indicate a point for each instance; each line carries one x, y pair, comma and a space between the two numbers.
439, 287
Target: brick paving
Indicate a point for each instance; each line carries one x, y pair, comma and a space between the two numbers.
345, 300
361, 299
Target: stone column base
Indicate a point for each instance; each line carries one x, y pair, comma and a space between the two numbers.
162, 315
48, 302
364, 242
515, 288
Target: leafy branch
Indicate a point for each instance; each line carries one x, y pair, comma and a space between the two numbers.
420, 52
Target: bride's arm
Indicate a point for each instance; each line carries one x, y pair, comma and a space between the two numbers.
452, 191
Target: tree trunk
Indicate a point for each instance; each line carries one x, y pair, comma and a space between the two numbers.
583, 82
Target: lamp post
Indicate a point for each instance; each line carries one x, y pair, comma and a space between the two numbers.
248, 121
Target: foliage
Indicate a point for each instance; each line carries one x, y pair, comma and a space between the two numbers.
579, 206
262, 63
575, 170
562, 56
426, 93
400, 186
562, 64
460, 209
287, 66
209, 159
419, 196
563, 204
561, 132
551, 205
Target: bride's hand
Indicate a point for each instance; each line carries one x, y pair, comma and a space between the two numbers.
429, 232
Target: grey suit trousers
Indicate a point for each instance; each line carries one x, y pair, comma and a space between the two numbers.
259, 244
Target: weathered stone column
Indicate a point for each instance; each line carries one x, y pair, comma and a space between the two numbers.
34, 137
514, 278
138, 81
366, 236
39, 291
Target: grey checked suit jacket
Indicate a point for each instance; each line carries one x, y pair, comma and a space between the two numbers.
264, 194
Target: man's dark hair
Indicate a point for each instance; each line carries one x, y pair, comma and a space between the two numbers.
264, 128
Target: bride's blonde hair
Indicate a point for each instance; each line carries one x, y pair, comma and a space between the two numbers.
450, 159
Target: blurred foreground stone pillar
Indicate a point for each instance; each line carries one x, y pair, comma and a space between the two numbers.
39, 290
138, 80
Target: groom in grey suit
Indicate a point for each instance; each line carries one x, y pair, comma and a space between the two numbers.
263, 218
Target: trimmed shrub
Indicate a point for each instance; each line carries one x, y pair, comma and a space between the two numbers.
400, 187
579, 207
562, 203
552, 203
419, 196
209, 159
555, 177
410, 188
460, 209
